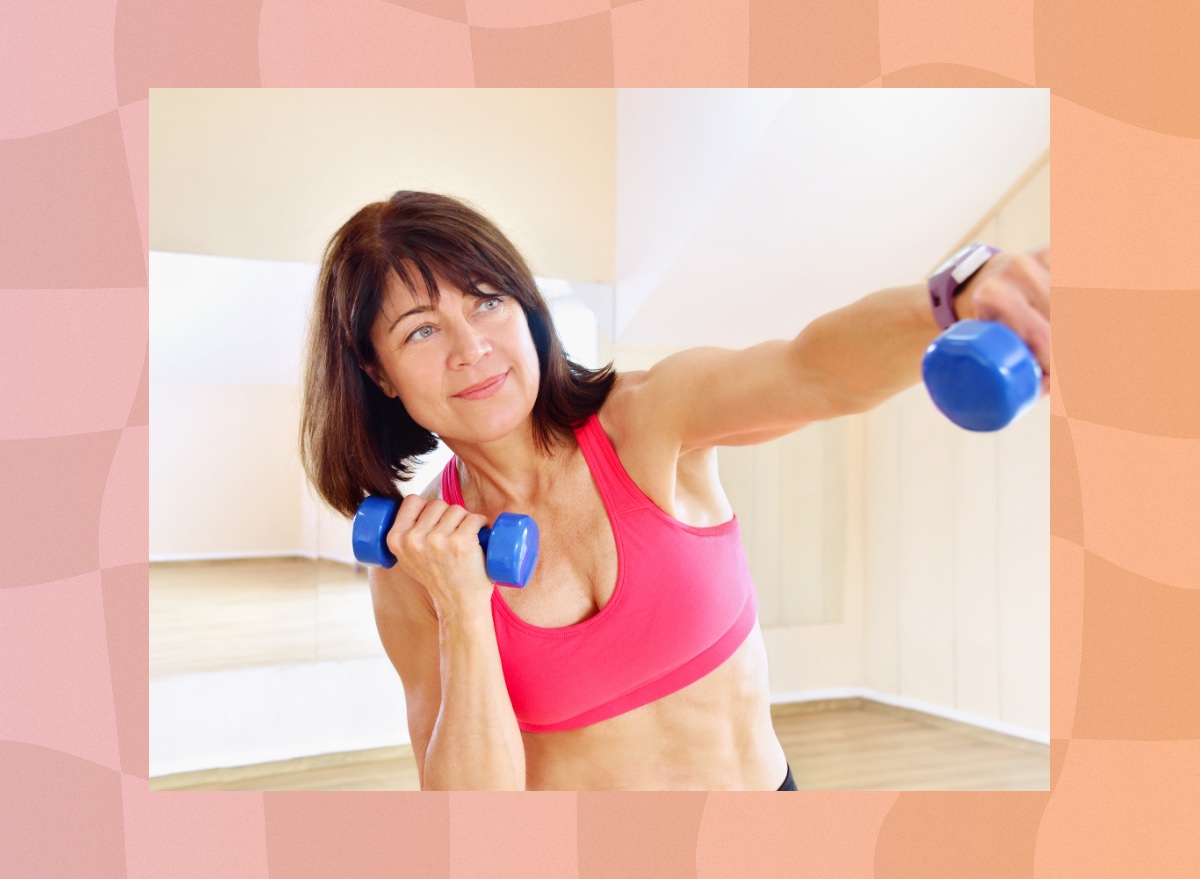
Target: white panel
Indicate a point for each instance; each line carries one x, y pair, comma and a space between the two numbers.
762, 541
813, 657
925, 563
735, 466
802, 523
853, 591
881, 531
1024, 569
239, 717
975, 582
601, 299
224, 471
220, 320
836, 520
577, 330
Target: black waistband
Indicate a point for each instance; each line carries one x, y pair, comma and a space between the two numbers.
789, 783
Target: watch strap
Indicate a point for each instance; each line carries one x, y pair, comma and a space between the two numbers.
948, 279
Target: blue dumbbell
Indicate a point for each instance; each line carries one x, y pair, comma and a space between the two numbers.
510, 546
981, 375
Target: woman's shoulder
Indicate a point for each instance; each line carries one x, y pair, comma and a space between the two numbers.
623, 414
686, 485
633, 427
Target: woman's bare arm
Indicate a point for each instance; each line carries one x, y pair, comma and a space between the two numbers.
462, 725
846, 361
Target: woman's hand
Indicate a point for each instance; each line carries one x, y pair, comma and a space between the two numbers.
438, 546
1014, 289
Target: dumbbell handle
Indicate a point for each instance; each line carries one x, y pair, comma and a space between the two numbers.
981, 375
510, 557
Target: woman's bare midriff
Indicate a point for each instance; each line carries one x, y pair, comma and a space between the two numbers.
715, 734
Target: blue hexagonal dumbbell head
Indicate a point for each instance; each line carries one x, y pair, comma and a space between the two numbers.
981, 375
512, 548
372, 522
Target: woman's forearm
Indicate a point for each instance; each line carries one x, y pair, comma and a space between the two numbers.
871, 349
476, 744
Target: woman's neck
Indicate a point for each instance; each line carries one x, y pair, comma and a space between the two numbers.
510, 474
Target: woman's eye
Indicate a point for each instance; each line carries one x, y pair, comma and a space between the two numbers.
491, 304
420, 333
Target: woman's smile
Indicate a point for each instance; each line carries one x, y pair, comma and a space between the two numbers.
484, 389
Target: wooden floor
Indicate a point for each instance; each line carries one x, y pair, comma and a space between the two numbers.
246, 612
213, 615
848, 745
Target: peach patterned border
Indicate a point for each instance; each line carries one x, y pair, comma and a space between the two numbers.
1125, 797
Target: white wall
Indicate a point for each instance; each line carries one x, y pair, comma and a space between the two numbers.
745, 214
272, 173
957, 588
226, 337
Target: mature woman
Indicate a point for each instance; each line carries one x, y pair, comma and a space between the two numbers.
633, 658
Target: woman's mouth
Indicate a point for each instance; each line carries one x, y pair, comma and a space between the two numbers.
484, 389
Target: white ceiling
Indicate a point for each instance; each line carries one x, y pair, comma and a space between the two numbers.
743, 215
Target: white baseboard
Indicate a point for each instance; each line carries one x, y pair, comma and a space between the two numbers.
346, 559
931, 708
239, 717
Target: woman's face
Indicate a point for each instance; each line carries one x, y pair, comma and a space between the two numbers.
466, 369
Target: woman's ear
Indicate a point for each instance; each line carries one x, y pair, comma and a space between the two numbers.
383, 384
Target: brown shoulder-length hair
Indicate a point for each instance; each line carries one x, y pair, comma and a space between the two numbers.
354, 439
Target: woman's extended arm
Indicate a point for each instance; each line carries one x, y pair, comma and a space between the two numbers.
848, 360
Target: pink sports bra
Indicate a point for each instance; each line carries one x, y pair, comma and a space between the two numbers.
682, 605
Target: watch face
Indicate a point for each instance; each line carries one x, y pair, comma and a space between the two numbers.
970, 263
954, 257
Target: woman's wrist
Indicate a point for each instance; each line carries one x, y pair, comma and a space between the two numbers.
466, 613
964, 302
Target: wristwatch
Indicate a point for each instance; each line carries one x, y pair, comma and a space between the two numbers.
948, 279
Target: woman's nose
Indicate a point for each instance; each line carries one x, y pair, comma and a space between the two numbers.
469, 345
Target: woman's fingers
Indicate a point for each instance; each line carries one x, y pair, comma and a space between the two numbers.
1043, 256
406, 517
428, 529
448, 519
1001, 300
1029, 274
443, 531
428, 517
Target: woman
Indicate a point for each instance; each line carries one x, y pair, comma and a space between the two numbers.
633, 658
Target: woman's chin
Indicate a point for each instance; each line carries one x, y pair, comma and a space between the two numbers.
485, 427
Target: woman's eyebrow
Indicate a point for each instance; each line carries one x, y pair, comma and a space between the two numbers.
418, 310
